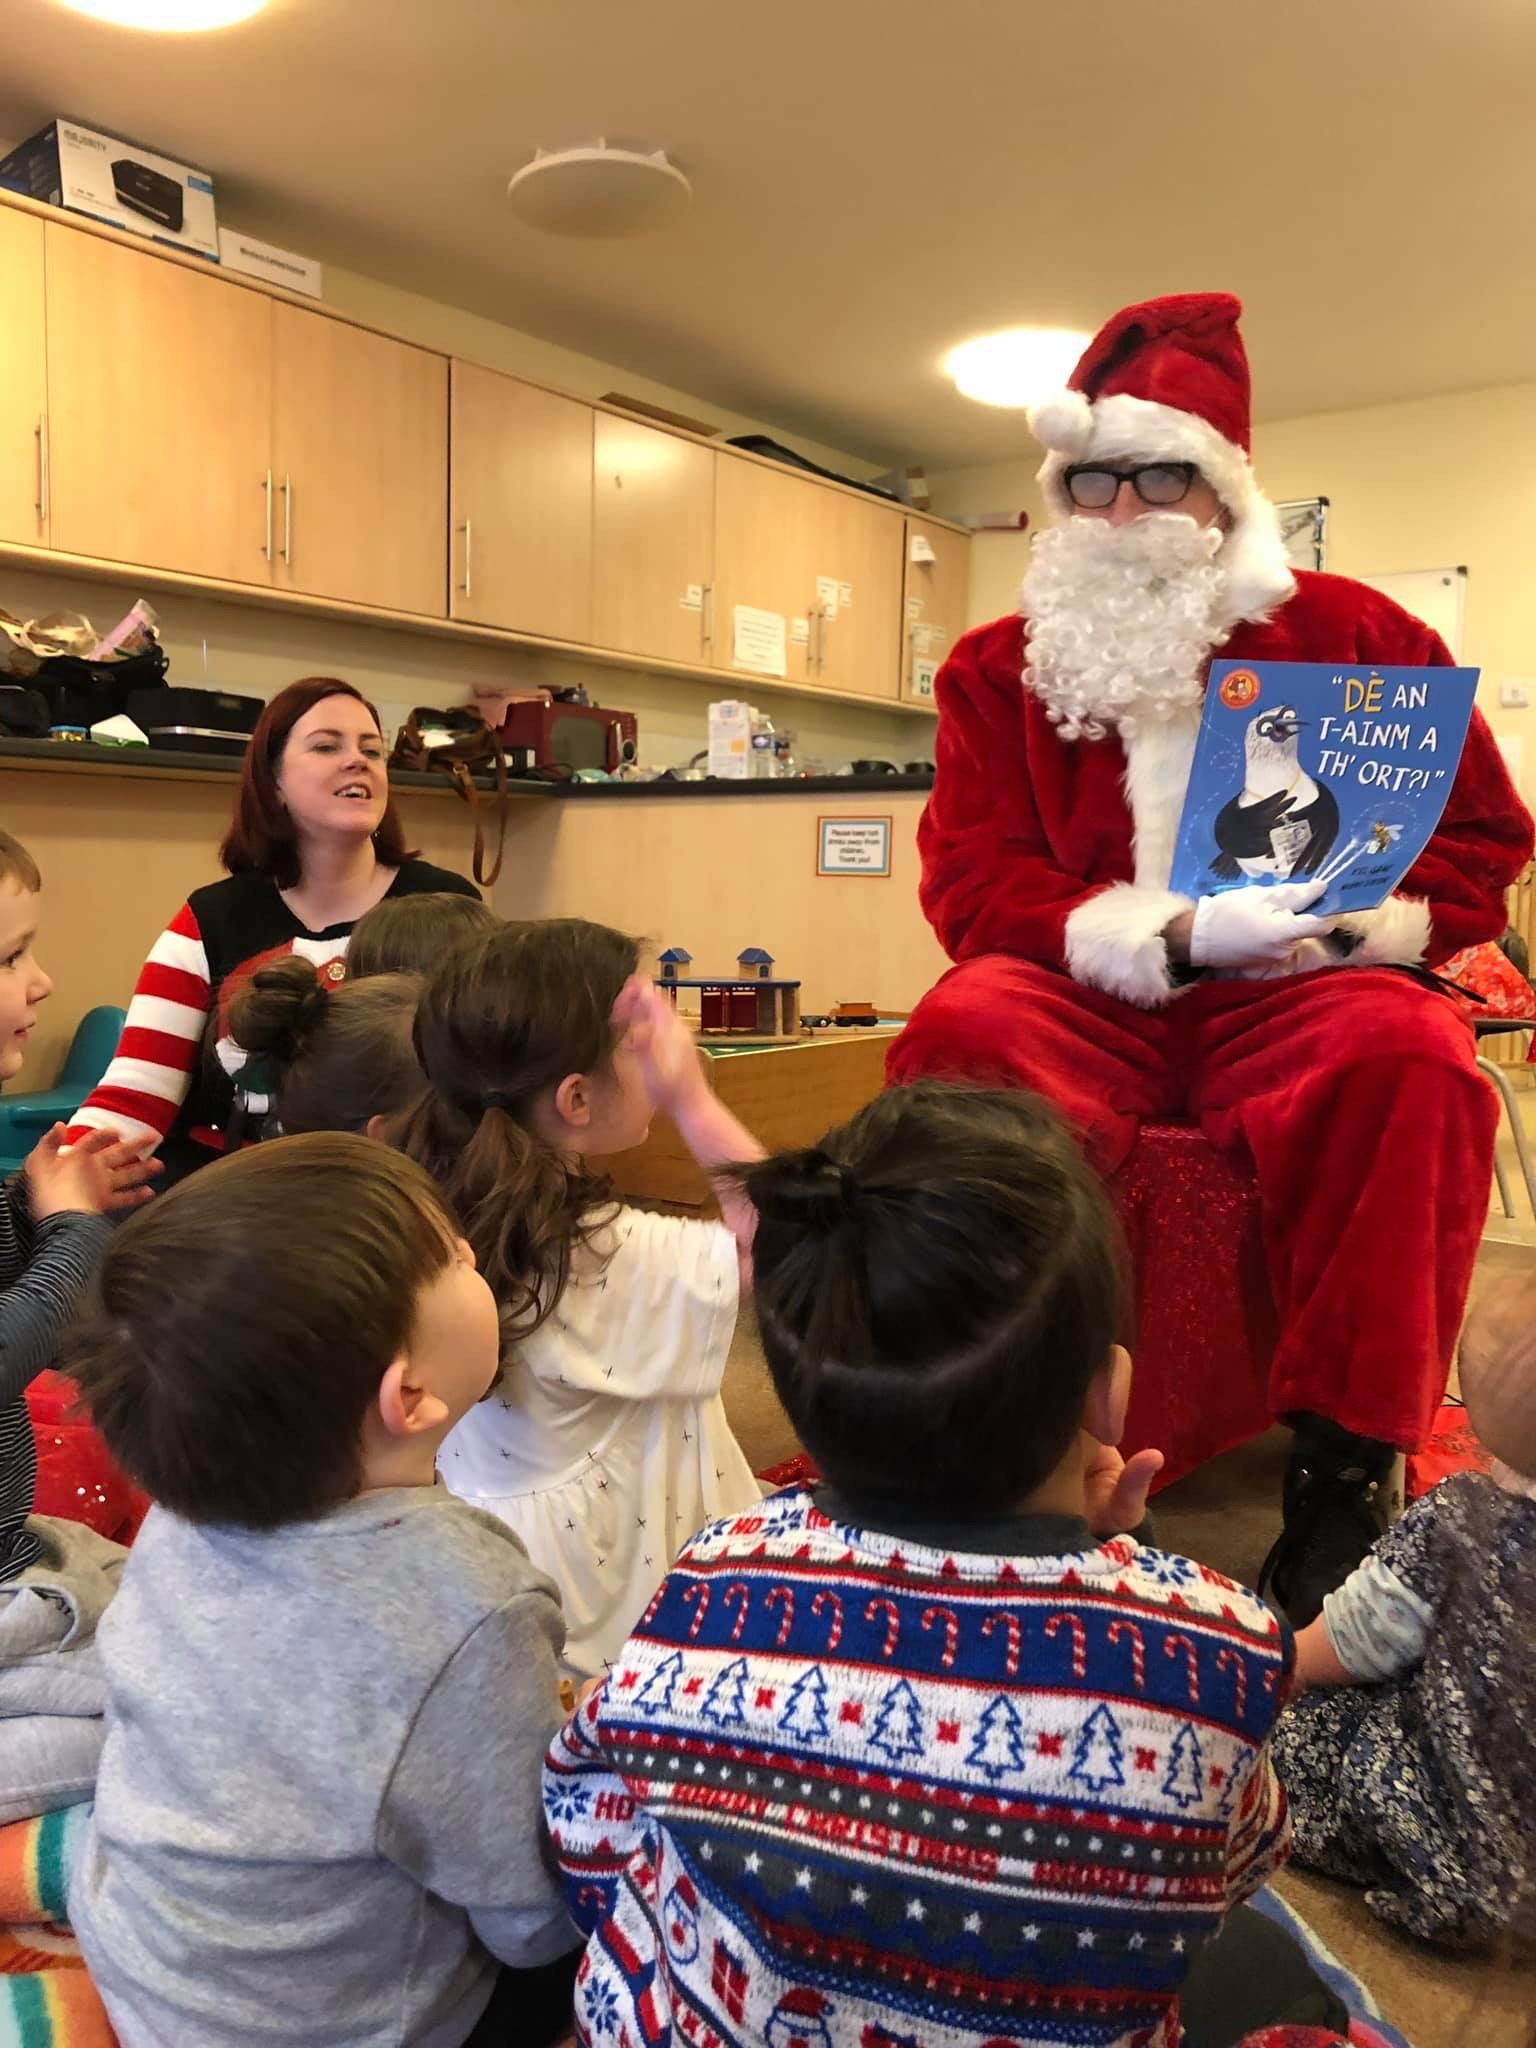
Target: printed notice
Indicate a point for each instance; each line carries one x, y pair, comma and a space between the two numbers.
925, 673
853, 846
758, 641
922, 549
827, 596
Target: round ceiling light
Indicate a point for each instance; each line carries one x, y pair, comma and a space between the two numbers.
169, 17
1017, 367
598, 193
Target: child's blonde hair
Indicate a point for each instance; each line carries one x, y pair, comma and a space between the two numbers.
17, 865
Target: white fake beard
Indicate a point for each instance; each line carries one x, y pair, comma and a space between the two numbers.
1121, 621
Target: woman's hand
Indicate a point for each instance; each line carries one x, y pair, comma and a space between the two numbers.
1116, 1488
98, 1175
662, 1044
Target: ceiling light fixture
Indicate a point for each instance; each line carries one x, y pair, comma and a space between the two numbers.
168, 17
598, 193
1017, 367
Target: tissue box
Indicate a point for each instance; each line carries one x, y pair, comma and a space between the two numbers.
87, 172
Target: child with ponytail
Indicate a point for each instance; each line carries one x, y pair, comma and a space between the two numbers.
605, 1446
326, 1056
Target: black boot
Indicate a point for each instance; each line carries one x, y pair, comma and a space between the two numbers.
1336, 1504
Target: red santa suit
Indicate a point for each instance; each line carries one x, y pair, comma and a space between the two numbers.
1351, 1089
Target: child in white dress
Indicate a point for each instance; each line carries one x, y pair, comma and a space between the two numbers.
605, 1445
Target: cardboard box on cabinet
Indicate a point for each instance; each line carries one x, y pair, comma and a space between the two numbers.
84, 171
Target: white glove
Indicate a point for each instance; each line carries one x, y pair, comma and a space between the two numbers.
1254, 927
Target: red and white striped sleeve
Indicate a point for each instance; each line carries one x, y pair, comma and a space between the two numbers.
151, 1071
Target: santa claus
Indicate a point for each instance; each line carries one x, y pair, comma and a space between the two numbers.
1318, 1050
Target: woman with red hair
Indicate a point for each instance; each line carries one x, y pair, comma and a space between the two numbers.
315, 841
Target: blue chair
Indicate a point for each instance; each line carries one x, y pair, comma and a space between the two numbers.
24, 1118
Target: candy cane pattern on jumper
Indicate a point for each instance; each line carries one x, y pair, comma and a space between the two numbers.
892, 1624
650, 1613
1079, 1640
786, 1594
1012, 1624
834, 1603
1171, 1648
737, 1590
1133, 1635
951, 1623
1271, 1677
697, 1591
1228, 1660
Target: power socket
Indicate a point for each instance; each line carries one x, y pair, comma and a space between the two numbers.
1514, 695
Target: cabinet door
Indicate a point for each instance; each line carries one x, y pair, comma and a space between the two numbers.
653, 541
159, 412
522, 506
23, 382
359, 463
937, 603
768, 534
857, 644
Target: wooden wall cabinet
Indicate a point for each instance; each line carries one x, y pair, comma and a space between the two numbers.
935, 602
858, 641
156, 415
159, 412
653, 542
522, 506
359, 464
23, 383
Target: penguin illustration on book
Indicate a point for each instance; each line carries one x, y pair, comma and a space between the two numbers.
1281, 823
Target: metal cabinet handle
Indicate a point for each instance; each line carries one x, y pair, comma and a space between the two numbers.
469, 541
266, 546
42, 471
709, 617
288, 520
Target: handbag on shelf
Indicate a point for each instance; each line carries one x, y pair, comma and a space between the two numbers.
461, 745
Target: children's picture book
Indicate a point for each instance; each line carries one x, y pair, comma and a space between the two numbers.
1312, 771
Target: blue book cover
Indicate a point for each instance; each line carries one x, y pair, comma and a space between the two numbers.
1309, 771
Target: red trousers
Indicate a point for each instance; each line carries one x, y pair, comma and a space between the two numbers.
1353, 1095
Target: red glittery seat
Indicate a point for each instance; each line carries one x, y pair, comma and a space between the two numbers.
76, 1480
1205, 1321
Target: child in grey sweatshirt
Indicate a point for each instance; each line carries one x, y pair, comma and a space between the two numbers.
330, 1684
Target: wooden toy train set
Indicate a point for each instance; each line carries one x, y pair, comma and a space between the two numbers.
753, 1002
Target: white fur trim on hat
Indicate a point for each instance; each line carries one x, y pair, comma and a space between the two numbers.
1124, 429
1395, 935
1115, 943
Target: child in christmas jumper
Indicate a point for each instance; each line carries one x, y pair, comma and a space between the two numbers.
1411, 1769
928, 1754
605, 1444
330, 1684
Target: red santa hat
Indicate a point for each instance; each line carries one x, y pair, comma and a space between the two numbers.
1168, 381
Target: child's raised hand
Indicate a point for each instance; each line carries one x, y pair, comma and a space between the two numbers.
98, 1175
1116, 1488
661, 1042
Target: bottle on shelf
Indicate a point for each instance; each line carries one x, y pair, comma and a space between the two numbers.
764, 763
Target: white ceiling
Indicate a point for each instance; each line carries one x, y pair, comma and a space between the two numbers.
877, 179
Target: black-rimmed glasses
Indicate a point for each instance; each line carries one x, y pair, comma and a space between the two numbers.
1092, 487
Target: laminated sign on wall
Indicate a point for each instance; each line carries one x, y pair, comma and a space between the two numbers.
853, 846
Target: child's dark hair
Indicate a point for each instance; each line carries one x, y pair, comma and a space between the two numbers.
936, 1284
17, 865
413, 934
238, 1327
505, 1019
330, 1057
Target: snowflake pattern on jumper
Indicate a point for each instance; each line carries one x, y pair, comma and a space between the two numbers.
852, 1790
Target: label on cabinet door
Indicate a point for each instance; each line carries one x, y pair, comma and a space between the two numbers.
827, 588
922, 549
845, 596
692, 599
800, 632
925, 672
757, 641
914, 607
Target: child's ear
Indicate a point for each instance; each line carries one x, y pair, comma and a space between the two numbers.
572, 1101
375, 1127
406, 1408
1109, 1394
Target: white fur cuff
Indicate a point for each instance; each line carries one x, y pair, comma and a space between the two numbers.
1115, 943
1395, 935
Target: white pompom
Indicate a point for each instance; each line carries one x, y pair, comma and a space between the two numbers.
1063, 423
